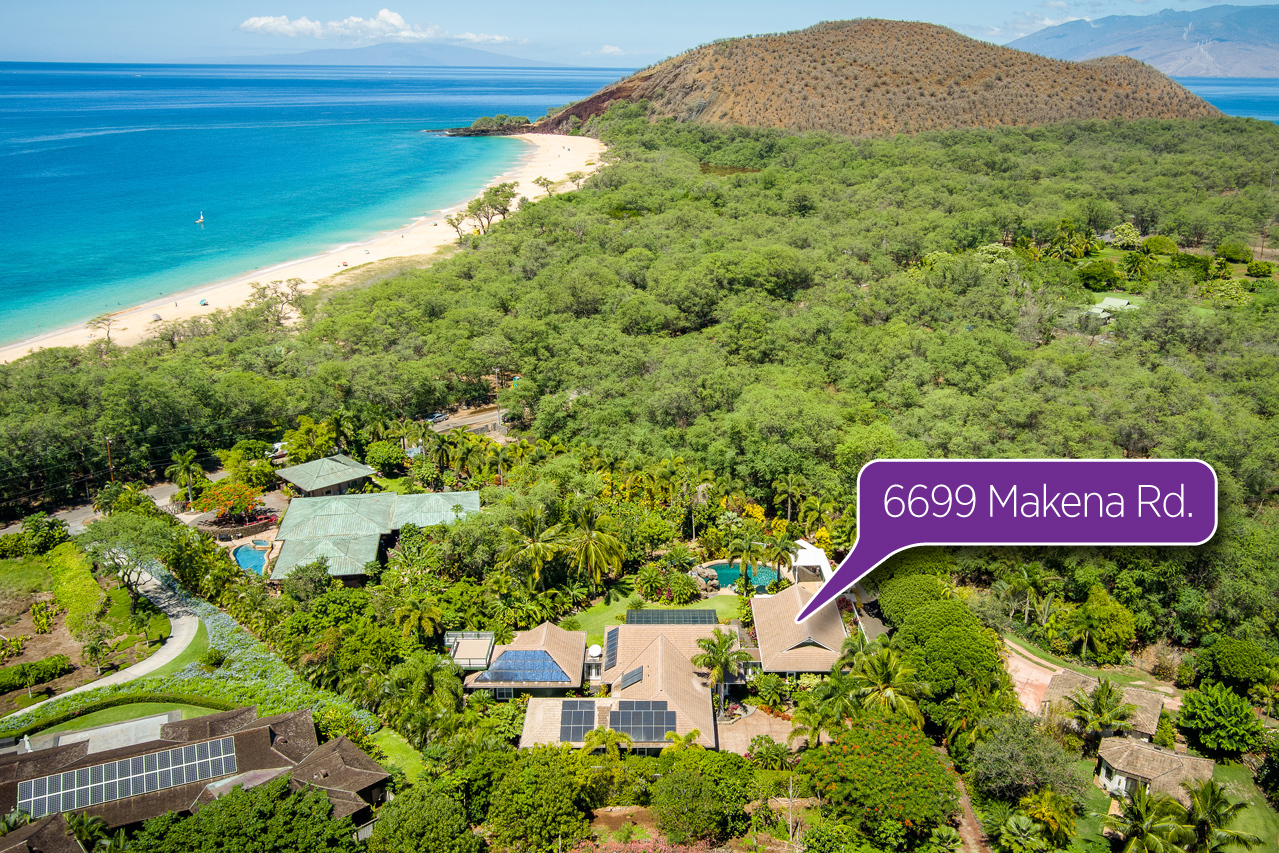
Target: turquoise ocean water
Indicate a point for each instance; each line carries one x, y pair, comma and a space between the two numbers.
105, 168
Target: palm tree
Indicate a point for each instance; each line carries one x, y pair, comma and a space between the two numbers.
531, 543
771, 689
720, 659
1102, 712
780, 551
855, 646
419, 617
88, 830
1054, 812
1207, 821
810, 718
883, 680
679, 742
768, 754
592, 546
96, 646
609, 740
790, 490
1150, 823
183, 471
1020, 834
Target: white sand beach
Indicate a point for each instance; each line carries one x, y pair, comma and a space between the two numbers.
549, 156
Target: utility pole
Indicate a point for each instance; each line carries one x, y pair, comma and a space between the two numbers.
110, 465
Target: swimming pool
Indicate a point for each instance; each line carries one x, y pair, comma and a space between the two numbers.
761, 575
250, 558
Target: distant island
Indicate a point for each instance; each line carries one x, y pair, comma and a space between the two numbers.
876, 77
1220, 41
395, 54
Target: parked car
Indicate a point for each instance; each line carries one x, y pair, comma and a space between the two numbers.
436, 417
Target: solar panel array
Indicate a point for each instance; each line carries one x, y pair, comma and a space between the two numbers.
523, 665
635, 676
672, 617
610, 648
128, 777
645, 722
577, 717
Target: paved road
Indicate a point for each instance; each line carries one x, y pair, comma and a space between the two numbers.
78, 516
183, 623
468, 418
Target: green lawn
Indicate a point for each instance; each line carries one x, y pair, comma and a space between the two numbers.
1259, 819
399, 485
135, 711
24, 576
400, 754
595, 619
1097, 802
199, 645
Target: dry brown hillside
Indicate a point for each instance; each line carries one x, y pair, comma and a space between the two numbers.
873, 77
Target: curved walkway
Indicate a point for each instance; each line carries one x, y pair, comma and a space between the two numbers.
183, 625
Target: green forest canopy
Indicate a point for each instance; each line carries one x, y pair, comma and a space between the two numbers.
786, 313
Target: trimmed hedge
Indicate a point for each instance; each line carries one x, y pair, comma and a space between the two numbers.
901, 595
11, 677
113, 702
74, 587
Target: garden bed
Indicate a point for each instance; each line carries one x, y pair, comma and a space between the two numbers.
223, 532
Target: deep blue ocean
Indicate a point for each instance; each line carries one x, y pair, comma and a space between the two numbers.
105, 168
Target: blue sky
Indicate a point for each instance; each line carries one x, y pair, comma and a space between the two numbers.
573, 32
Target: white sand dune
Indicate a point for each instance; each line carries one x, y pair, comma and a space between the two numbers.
549, 156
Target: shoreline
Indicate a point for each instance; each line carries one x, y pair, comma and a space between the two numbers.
550, 156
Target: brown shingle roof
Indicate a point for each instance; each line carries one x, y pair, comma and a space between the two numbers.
787, 646
1148, 704
633, 639
566, 648
1163, 769
46, 835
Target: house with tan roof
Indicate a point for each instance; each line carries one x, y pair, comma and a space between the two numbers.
1124, 763
543, 661
624, 643
656, 692
1148, 704
789, 648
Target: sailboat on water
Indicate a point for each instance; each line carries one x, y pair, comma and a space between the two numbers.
200, 221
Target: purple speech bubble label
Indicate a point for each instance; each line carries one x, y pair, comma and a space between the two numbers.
902, 503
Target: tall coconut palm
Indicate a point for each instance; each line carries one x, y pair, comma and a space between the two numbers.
184, 471
419, 617
882, 680
1102, 712
780, 551
720, 659
1150, 823
790, 490
531, 543
1207, 822
592, 545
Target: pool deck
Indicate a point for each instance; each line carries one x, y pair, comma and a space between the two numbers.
270, 554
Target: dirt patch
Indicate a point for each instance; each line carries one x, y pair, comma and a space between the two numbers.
1029, 678
609, 820
59, 642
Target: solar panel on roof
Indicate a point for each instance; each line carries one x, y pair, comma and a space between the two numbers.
672, 617
523, 665
610, 648
577, 717
128, 777
645, 722
635, 676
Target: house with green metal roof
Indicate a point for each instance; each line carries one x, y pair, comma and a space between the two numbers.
332, 475
350, 531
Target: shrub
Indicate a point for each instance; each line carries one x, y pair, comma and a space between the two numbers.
1160, 244
1199, 267
41, 534
385, 457
1239, 663
74, 587
1127, 236
1187, 672
539, 805
884, 769
1165, 735
1099, 276
902, 595
1261, 269
1235, 251
687, 808
15, 677
42, 613
1220, 721
1019, 759
424, 818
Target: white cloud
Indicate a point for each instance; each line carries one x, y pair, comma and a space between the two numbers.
611, 50
384, 26
1056, 4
